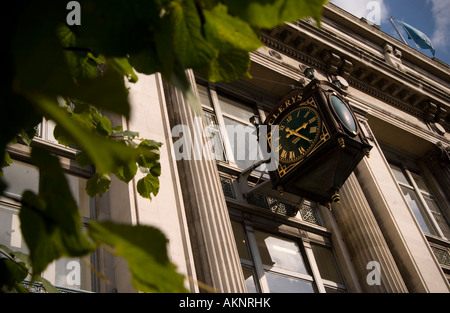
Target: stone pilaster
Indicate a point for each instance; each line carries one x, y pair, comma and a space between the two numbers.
407, 243
365, 241
215, 254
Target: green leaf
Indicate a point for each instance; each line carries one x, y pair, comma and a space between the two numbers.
39, 60
145, 249
16, 114
230, 65
11, 275
225, 31
98, 184
103, 126
122, 66
82, 63
145, 61
104, 92
118, 28
149, 157
12, 271
125, 133
234, 38
270, 13
126, 172
192, 49
6, 162
105, 154
21, 272
50, 221
83, 159
49, 288
147, 186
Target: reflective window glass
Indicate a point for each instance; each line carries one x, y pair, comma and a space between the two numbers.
280, 252
418, 179
235, 108
283, 284
249, 279
241, 242
243, 141
399, 175
417, 209
326, 264
19, 177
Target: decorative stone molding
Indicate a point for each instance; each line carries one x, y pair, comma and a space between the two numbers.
389, 80
393, 57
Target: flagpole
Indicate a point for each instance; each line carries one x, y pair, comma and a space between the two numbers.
398, 32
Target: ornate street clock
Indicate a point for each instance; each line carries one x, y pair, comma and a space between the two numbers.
318, 144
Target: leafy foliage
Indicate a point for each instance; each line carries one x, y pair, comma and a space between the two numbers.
71, 74
149, 264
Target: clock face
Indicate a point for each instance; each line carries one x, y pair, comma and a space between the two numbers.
299, 131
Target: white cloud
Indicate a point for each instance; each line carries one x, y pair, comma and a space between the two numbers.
374, 11
441, 14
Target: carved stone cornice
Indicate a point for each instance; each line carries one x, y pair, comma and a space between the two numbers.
387, 79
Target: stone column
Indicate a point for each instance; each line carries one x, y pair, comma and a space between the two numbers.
365, 241
215, 254
407, 243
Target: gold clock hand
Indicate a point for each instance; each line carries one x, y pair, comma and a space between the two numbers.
302, 127
295, 133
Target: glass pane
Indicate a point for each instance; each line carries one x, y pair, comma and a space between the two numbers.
19, 177
325, 261
244, 143
438, 216
235, 108
72, 273
399, 175
49, 126
241, 243
280, 252
10, 234
77, 187
417, 209
249, 279
420, 182
284, 284
214, 136
204, 96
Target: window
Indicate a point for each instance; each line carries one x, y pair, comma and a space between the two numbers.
272, 261
212, 127
233, 138
278, 264
421, 201
64, 273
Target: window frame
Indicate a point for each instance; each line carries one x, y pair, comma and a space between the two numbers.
214, 92
291, 233
20, 153
408, 170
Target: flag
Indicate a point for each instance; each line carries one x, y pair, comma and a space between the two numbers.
419, 38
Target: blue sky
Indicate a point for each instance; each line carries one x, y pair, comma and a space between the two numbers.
432, 17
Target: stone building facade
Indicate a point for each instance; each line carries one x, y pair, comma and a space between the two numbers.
228, 229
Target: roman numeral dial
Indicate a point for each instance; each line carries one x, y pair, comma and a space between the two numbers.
299, 131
